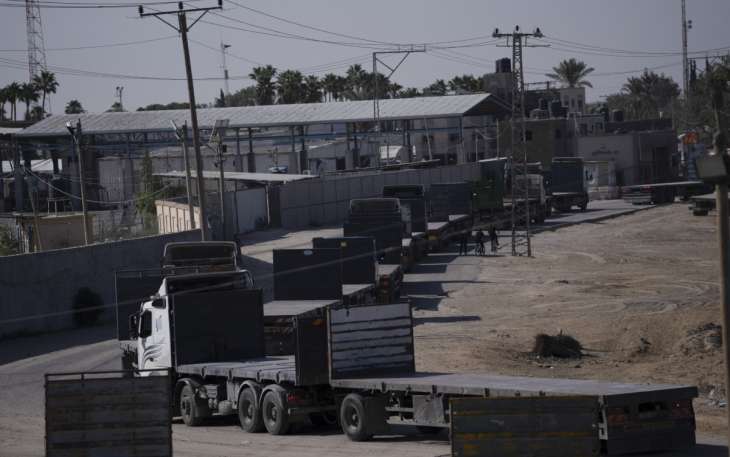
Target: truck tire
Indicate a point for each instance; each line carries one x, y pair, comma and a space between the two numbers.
192, 409
274, 414
249, 412
584, 206
353, 418
427, 430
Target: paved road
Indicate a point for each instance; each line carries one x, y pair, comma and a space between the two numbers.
23, 362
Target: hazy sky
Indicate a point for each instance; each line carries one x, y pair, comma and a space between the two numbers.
636, 25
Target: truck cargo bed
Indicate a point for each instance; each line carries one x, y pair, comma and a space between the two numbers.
276, 369
496, 385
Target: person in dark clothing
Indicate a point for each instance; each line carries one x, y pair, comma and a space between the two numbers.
479, 240
494, 238
464, 243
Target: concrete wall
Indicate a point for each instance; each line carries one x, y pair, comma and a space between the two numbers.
44, 284
619, 149
174, 217
244, 210
319, 202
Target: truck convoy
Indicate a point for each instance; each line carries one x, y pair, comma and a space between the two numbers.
568, 184
317, 360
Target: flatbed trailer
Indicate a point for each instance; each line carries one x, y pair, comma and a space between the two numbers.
659, 193
360, 365
390, 283
414, 248
701, 205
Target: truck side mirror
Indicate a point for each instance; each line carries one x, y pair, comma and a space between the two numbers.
133, 325
158, 303
145, 325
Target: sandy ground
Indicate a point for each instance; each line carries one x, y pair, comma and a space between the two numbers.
639, 291
650, 275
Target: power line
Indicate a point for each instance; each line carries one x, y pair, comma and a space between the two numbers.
99, 46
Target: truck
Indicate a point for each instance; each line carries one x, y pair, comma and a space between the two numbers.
360, 266
568, 184
382, 219
664, 192
414, 212
282, 363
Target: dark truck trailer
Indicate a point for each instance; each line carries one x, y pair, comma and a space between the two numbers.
414, 211
450, 212
359, 364
659, 193
317, 274
359, 266
701, 205
381, 219
568, 184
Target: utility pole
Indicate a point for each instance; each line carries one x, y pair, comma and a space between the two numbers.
686, 25
182, 136
183, 29
120, 90
225, 68
219, 131
76, 134
520, 189
376, 98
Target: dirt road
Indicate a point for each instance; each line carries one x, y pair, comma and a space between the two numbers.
649, 275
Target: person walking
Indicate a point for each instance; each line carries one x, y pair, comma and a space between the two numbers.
493, 238
479, 242
464, 243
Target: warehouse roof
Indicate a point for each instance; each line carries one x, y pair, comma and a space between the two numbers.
240, 176
273, 115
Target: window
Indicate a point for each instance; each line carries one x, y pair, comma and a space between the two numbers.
583, 129
453, 137
528, 135
558, 134
580, 104
572, 103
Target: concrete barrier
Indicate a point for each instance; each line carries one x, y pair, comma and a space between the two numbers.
37, 290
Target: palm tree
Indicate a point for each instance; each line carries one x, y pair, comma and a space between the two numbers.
357, 79
649, 93
465, 84
264, 77
394, 89
46, 83
36, 113
290, 87
437, 88
28, 93
571, 73
312, 89
13, 93
330, 84
74, 107
3, 100
409, 92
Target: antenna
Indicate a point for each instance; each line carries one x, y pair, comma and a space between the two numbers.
36, 44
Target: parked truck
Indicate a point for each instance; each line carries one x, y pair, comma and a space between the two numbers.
382, 219
414, 212
568, 184
357, 364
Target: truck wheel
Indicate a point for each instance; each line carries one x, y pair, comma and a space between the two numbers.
249, 413
699, 212
191, 409
274, 415
353, 418
426, 430
583, 206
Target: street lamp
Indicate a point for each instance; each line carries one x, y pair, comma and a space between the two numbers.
75, 132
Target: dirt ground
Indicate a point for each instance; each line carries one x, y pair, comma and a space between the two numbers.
640, 292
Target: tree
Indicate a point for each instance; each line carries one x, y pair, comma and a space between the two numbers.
312, 89
331, 86
3, 100
74, 107
356, 83
571, 73
37, 113
465, 84
243, 97
13, 93
437, 88
46, 83
220, 102
115, 108
265, 88
29, 94
394, 89
290, 87
642, 97
409, 92
8, 244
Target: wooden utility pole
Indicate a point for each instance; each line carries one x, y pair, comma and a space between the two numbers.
183, 29
76, 134
182, 136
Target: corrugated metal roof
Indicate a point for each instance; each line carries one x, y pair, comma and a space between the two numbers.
269, 115
240, 176
9, 130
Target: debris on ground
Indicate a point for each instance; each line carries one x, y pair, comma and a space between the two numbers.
704, 338
560, 346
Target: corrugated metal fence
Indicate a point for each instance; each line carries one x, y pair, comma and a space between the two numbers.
320, 202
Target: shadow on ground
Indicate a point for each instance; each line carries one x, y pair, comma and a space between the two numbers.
30, 346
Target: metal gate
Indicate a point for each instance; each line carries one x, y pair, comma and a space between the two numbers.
109, 413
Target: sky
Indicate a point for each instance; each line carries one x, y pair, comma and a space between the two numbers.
152, 49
